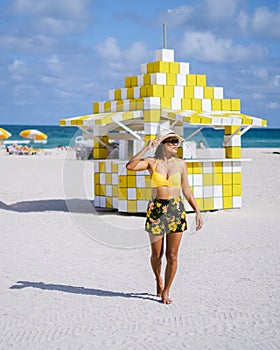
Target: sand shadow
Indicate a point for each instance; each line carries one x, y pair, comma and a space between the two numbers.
82, 206
82, 290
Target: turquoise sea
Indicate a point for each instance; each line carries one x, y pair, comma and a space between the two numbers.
57, 135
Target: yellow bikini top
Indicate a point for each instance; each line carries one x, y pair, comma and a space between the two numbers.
158, 180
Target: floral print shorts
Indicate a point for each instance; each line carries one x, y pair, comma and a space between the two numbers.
165, 215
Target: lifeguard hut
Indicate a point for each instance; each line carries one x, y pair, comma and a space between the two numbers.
165, 95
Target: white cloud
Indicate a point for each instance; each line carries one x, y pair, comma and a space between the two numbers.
219, 10
109, 49
266, 23
18, 69
64, 8
273, 105
58, 26
34, 43
206, 47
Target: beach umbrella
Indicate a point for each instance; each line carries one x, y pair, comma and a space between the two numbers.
4, 134
33, 134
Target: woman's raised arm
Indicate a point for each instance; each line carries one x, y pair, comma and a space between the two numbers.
137, 162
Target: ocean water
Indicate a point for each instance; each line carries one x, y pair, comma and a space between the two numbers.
57, 135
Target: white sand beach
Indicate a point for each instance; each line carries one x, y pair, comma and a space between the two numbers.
64, 287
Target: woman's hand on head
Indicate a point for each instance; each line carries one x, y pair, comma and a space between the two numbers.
153, 143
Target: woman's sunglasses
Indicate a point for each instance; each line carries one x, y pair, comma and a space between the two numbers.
172, 141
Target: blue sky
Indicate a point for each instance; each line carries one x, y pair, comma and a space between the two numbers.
59, 56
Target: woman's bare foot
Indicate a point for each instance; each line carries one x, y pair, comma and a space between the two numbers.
159, 288
165, 298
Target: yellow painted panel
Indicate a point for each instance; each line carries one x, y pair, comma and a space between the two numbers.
199, 202
133, 81
161, 67
132, 206
114, 167
171, 79
197, 168
216, 105
193, 119
186, 103
201, 80
102, 167
191, 79
127, 82
109, 202
196, 104
140, 193
149, 137
148, 181
205, 120
227, 178
122, 193
131, 181
264, 123
207, 179
231, 129
154, 91
97, 190
246, 120
130, 92
227, 202
100, 153
122, 181
108, 179
236, 178
96, 178
236, 190
227, 190
147, 79
217, 179
147, 193
120, 106
226, 105
208, 92
143, 91
165, 102
174, 67
189, 167
218, 168
102, 190
189, 91
152, 115
133, 105
168, 91
107, 106
115, 191
208, 203
118, 95
96, 107
139, 103
235, 105
180, 152
233, 152
150, 67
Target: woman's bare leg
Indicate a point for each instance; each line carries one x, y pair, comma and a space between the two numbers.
172, 246
157, 245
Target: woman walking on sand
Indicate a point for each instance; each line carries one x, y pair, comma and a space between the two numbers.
166, 216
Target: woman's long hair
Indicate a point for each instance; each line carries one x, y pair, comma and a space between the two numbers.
158, 152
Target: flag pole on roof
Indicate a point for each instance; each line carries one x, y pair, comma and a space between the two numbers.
164, 35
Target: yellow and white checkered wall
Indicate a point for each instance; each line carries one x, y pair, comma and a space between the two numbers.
172, 84
216, 185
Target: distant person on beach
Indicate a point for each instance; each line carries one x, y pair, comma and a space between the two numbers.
166, 215
201, 144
